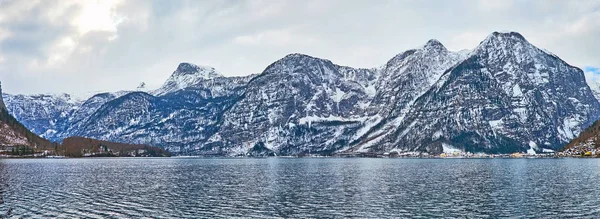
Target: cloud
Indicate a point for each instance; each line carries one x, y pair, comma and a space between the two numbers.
594, 70
490, 5
281, 38
79, 46
592, 75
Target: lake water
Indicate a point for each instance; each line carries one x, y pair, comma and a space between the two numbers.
308, 187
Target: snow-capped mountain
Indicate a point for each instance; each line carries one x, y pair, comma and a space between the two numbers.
296, 103
43, 114
187, 75
13, 133
403, 79
186, 117
504, 96
52, 116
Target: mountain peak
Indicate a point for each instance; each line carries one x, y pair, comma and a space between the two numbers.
187, 75
294, 56
432, 47
509, 36
205, 72
433, 43
297, 59
508, 42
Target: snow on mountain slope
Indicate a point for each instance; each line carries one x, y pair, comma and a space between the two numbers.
504, 96
175, 120
13, 133
43, 114
403, 79
186, 75
595, 86
297, 103
53, 115
83, 112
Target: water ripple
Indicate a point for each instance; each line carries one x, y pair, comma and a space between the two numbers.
299, 188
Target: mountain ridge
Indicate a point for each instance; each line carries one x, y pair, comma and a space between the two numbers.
499, 97
13, 133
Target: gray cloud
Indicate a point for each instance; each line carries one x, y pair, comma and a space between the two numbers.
81, 46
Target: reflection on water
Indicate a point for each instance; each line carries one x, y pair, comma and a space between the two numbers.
274, 187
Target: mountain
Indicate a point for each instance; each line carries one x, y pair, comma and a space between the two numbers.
174, 118
44, 114
404, 79
13, 133
504, 96
180, 114
52, 115
296, 103
82, 112
595, 86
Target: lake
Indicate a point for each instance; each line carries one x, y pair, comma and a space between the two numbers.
299, 188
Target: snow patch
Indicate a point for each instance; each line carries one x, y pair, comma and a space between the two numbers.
338, 95
310, 119
546, 150
449, 149
532, 147
569, 129
370, 91
496, 124
437, 135
517, 91
368, 124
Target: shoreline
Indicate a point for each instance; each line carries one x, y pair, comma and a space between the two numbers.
301, 157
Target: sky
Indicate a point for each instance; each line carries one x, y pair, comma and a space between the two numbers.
84, 46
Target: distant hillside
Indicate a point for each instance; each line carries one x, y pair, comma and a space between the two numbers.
589, 138
79, 146
13, 133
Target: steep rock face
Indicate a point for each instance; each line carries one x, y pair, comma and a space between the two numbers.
13, 133
43, 114
403, 79
410, 74
83, 113
298, 104
55, 116
2, 105
506, 96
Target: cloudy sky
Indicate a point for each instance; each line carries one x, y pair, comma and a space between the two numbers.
55, 46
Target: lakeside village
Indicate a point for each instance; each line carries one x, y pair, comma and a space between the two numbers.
587, 150
103, 151
582, 150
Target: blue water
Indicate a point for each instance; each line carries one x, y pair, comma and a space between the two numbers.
308, 187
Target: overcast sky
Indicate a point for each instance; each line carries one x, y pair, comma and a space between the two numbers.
55, 46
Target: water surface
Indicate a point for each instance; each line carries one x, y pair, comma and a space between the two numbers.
309, 187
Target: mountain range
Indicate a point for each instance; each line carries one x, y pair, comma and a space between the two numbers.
15, 134
504, 96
